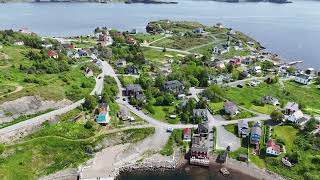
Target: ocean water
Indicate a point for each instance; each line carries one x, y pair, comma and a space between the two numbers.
290, 30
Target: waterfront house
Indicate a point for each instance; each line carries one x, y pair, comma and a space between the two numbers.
255, 134
131, 70
230, 108
272, 148
53, 54
124, 113
187, 134
173, 87
291, 108
294, 117
121, 63
200, 113
303, 79
199, 152
103, 117
243, 129
255, 70
133, 89
270, 100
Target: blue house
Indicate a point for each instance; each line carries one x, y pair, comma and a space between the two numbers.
255, 134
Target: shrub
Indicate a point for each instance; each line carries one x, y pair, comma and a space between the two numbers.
2, 148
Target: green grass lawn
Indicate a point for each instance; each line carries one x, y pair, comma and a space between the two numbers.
287, 134
141, 37
232, 52
158, 55
233, 128
183, 42
70, 84
4, 89
162, 113
293, 92
126, 80
57, 147
216, 108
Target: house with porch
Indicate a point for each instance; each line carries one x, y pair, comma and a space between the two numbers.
243, 129
272, 148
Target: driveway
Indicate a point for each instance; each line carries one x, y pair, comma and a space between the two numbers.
226, 138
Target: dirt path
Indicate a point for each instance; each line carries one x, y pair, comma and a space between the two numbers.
18, 88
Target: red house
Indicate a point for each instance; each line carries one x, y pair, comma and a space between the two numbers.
187, 134
235, 62
53, 54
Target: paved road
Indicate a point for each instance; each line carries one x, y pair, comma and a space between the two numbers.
108, 70
226, 138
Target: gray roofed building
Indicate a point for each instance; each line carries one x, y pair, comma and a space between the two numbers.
203, 129
174, 87
230, 108
243, 129
255, 134
124, 113
133, 89
202, 113
270, 100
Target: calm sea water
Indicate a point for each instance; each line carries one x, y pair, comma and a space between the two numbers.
290, 30
187, 172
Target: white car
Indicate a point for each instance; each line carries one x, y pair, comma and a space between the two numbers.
169, 129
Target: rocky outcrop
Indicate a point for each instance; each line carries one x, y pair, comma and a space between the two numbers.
28, 105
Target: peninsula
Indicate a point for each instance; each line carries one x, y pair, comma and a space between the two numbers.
98, 105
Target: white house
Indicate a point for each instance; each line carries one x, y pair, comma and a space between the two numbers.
220, 49
272, 148
295, 116
303, 79
19, 43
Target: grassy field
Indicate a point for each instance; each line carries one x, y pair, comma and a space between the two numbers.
70, 84
158, 55
287, 134
183, 42
56, 147
232, 52
293, 92
141, 37
216, 108
126, 80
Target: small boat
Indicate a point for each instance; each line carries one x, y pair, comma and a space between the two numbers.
224, 171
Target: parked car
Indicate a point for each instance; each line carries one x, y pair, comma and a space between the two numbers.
169, 129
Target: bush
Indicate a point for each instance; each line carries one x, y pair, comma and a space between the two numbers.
2, 148
89, 124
